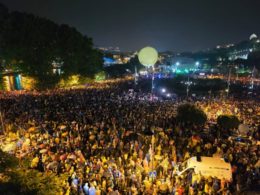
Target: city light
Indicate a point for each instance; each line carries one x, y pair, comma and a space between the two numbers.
163, 90
168, 95
143, 72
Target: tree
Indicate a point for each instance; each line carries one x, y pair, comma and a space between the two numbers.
22, 180
227, 122
191, 115
254, 59
34, 43
119, 70
7, 161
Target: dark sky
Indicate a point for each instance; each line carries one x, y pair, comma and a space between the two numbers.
178, 25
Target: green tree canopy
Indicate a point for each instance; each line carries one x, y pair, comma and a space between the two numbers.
22, 180
190, 114
228, 122
119, 70
34, 43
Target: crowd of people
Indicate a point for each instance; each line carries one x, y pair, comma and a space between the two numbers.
108, 140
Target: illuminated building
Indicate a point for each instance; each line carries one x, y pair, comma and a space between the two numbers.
116, 59
12, 81
108, 61
243, 49
56, 66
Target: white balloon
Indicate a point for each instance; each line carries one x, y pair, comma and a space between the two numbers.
148, 56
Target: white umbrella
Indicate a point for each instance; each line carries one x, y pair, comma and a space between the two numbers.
243, 129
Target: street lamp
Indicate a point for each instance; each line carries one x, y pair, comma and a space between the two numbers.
136, 76
229, 75
188, 85
148, 56
236, 67
252, 79
163, 90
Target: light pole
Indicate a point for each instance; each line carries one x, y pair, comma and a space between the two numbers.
136, 75
228, 87
252, 78
188, 85
152, 81
176, 66
148, 56
197, 64
236, 67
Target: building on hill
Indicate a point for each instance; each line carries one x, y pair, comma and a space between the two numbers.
243, 49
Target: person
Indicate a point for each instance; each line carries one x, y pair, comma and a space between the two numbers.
85, 134
75, 183
86, 188
92, 190
35, 162
98, 191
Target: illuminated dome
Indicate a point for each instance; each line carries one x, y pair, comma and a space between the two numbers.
253, 36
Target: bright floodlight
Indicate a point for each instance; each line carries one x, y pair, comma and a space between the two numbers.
148, 56
197, 63
177, 63
163, 90
168, 95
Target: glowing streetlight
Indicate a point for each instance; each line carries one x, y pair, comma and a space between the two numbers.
163, 90
236, 67
228, 84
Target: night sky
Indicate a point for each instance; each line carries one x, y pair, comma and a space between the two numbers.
177, 25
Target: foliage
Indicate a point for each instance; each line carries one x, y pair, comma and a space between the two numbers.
190, 114
70, 81
48, 81
100, 76
2, 85
120, 70
6, 161
30, 44
228, 122
22, 180
28, 83
74, 80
